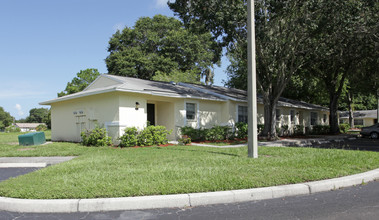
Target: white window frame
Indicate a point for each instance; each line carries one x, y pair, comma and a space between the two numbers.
194, 111
316, 119
237, 112
360, 119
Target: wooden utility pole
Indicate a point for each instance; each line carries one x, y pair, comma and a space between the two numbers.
252, 84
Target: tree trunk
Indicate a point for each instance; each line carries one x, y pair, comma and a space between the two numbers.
269, 129
333, 117
351, 115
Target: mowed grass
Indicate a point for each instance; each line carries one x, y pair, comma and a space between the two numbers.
111, 172
9, 147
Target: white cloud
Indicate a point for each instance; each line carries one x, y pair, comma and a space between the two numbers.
19, 109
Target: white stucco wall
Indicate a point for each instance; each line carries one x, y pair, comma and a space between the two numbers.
96, 110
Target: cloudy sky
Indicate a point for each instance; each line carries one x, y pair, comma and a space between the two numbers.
44, 43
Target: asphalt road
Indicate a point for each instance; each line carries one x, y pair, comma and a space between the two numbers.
356, 144
360, 202
6, 173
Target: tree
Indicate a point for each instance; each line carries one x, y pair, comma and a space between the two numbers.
280, 42
47, 119
160, 48
344, 42
37, 115
80, 82
5, 119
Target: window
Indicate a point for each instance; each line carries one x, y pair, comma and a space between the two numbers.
324, 118
314, 118
358, 121
190, 111
292, 114
242, 114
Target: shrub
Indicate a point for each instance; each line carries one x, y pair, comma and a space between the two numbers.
184, 140
260, 127
320, 129
193, 133
12, 128
298, 130
242, 130
218, 133
129, 138
41, 127
96, 137
285, 130
344, 128
151, 135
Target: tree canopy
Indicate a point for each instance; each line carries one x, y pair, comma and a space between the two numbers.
280, 40
5, 119
80, 82
315, 46
37, 115
160, 48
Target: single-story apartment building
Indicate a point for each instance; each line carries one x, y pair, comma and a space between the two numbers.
361, 117
25, 127
117, 102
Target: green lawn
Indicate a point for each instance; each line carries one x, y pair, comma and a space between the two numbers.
115, 172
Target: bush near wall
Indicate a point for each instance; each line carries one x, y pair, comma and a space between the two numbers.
320, 129
242, 129
41, 127
12, 128
151, 135
298, 130
217, 133
344, 128
97, 137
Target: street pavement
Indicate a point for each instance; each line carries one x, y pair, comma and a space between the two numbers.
358, 202
6, 173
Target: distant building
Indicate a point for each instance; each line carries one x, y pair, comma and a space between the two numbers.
24, 127
361, 118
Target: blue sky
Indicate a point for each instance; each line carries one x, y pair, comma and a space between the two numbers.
44, 43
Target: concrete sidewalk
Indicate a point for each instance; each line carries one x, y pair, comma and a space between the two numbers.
8, 162
297, 142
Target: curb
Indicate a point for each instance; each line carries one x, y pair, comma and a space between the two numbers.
182, 200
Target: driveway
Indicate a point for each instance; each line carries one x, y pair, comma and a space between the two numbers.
354, 144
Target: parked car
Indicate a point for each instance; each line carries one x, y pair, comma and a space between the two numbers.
371, 131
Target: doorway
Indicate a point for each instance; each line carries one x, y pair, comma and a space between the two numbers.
151, 113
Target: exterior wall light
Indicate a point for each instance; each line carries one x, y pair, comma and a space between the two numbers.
137, 105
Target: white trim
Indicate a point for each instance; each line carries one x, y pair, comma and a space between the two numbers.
197, 113
237, 111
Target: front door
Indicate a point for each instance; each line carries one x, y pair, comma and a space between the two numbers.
151, 113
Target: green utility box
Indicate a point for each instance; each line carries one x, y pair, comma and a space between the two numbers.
35, 138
